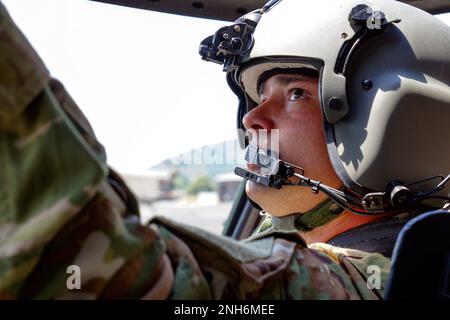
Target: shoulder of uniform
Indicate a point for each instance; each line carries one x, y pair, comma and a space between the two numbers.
361, 265
23, 74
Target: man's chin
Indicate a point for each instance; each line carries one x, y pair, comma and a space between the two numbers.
256, 191
283, 202
267, 198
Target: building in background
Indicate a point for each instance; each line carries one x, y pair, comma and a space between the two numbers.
151, 185
227, 185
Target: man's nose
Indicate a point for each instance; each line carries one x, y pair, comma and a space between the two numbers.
259, 117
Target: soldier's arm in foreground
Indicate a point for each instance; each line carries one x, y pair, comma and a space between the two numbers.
60, 206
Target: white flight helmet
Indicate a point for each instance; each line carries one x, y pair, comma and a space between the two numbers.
384, 84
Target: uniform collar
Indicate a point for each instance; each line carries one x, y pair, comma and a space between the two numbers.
323, 213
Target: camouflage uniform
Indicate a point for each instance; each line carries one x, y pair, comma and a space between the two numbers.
60, 205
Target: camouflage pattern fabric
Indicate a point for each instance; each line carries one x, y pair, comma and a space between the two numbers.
60, 205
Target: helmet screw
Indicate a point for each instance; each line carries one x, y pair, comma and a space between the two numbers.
236, 43
344, 35
226, 36
335, 104
367, 84
237, 28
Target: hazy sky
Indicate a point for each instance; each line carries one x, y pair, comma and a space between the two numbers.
136, 74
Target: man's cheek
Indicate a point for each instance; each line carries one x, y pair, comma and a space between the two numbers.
291, 151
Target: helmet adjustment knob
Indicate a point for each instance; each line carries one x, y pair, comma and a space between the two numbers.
400, 196
364, 15
335, 104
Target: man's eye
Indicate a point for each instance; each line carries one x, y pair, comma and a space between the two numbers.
297, 94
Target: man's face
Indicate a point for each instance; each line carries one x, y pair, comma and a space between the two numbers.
290, 103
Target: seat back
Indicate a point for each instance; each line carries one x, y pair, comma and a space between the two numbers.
421, 259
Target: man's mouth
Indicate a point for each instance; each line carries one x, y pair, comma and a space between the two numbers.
253, 167
259, 160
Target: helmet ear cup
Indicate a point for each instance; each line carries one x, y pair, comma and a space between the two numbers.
400, 196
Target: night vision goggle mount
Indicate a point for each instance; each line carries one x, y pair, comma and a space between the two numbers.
230, 45
397, 196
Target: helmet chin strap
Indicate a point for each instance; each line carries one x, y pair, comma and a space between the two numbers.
397, 196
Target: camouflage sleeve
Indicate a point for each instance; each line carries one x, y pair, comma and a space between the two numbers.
275, 266
63, 212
